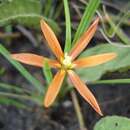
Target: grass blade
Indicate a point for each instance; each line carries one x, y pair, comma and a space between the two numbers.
47, 73
86, 18
8, 101
68, 27
22, 70
112, 81
47, 7
116, 29
14, 88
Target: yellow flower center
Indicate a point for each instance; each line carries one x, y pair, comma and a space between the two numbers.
66, 62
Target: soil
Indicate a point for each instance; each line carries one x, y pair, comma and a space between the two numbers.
114, 100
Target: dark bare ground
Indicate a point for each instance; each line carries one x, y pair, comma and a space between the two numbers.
113, 99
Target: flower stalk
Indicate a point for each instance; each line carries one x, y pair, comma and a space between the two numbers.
78, 110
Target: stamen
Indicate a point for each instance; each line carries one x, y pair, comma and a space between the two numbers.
67, 63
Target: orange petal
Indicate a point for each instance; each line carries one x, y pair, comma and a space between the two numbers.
84, 91
84, 40
35, 60
51, 39
94, 60
54, 88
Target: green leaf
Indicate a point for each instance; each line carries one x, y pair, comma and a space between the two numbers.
119, 32
113, 123
95, 73
68, 27
86, 18
112, 81
47, 72
47, 7
38, 86
2, 70
13, 87
19, 96
27, 12
9, 101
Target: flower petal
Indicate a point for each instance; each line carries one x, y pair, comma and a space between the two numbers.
94, 60
84, 40
51, 39
84, 91
54, 88
35, 60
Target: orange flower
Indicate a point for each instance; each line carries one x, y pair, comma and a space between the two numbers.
66, 64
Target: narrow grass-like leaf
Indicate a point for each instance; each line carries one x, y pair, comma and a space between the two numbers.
124, 38
47, 6
2, 70
13, 88
58, 10
18, 96
47, 72
112, 81
68, 27
22, 70
8, 101
86, 18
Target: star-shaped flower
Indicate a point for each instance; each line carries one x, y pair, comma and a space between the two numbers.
66, 63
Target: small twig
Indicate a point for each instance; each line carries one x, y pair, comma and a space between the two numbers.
27, 34
76, 9
9, 35
116, 100
18, 96
83, 1
78, 110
